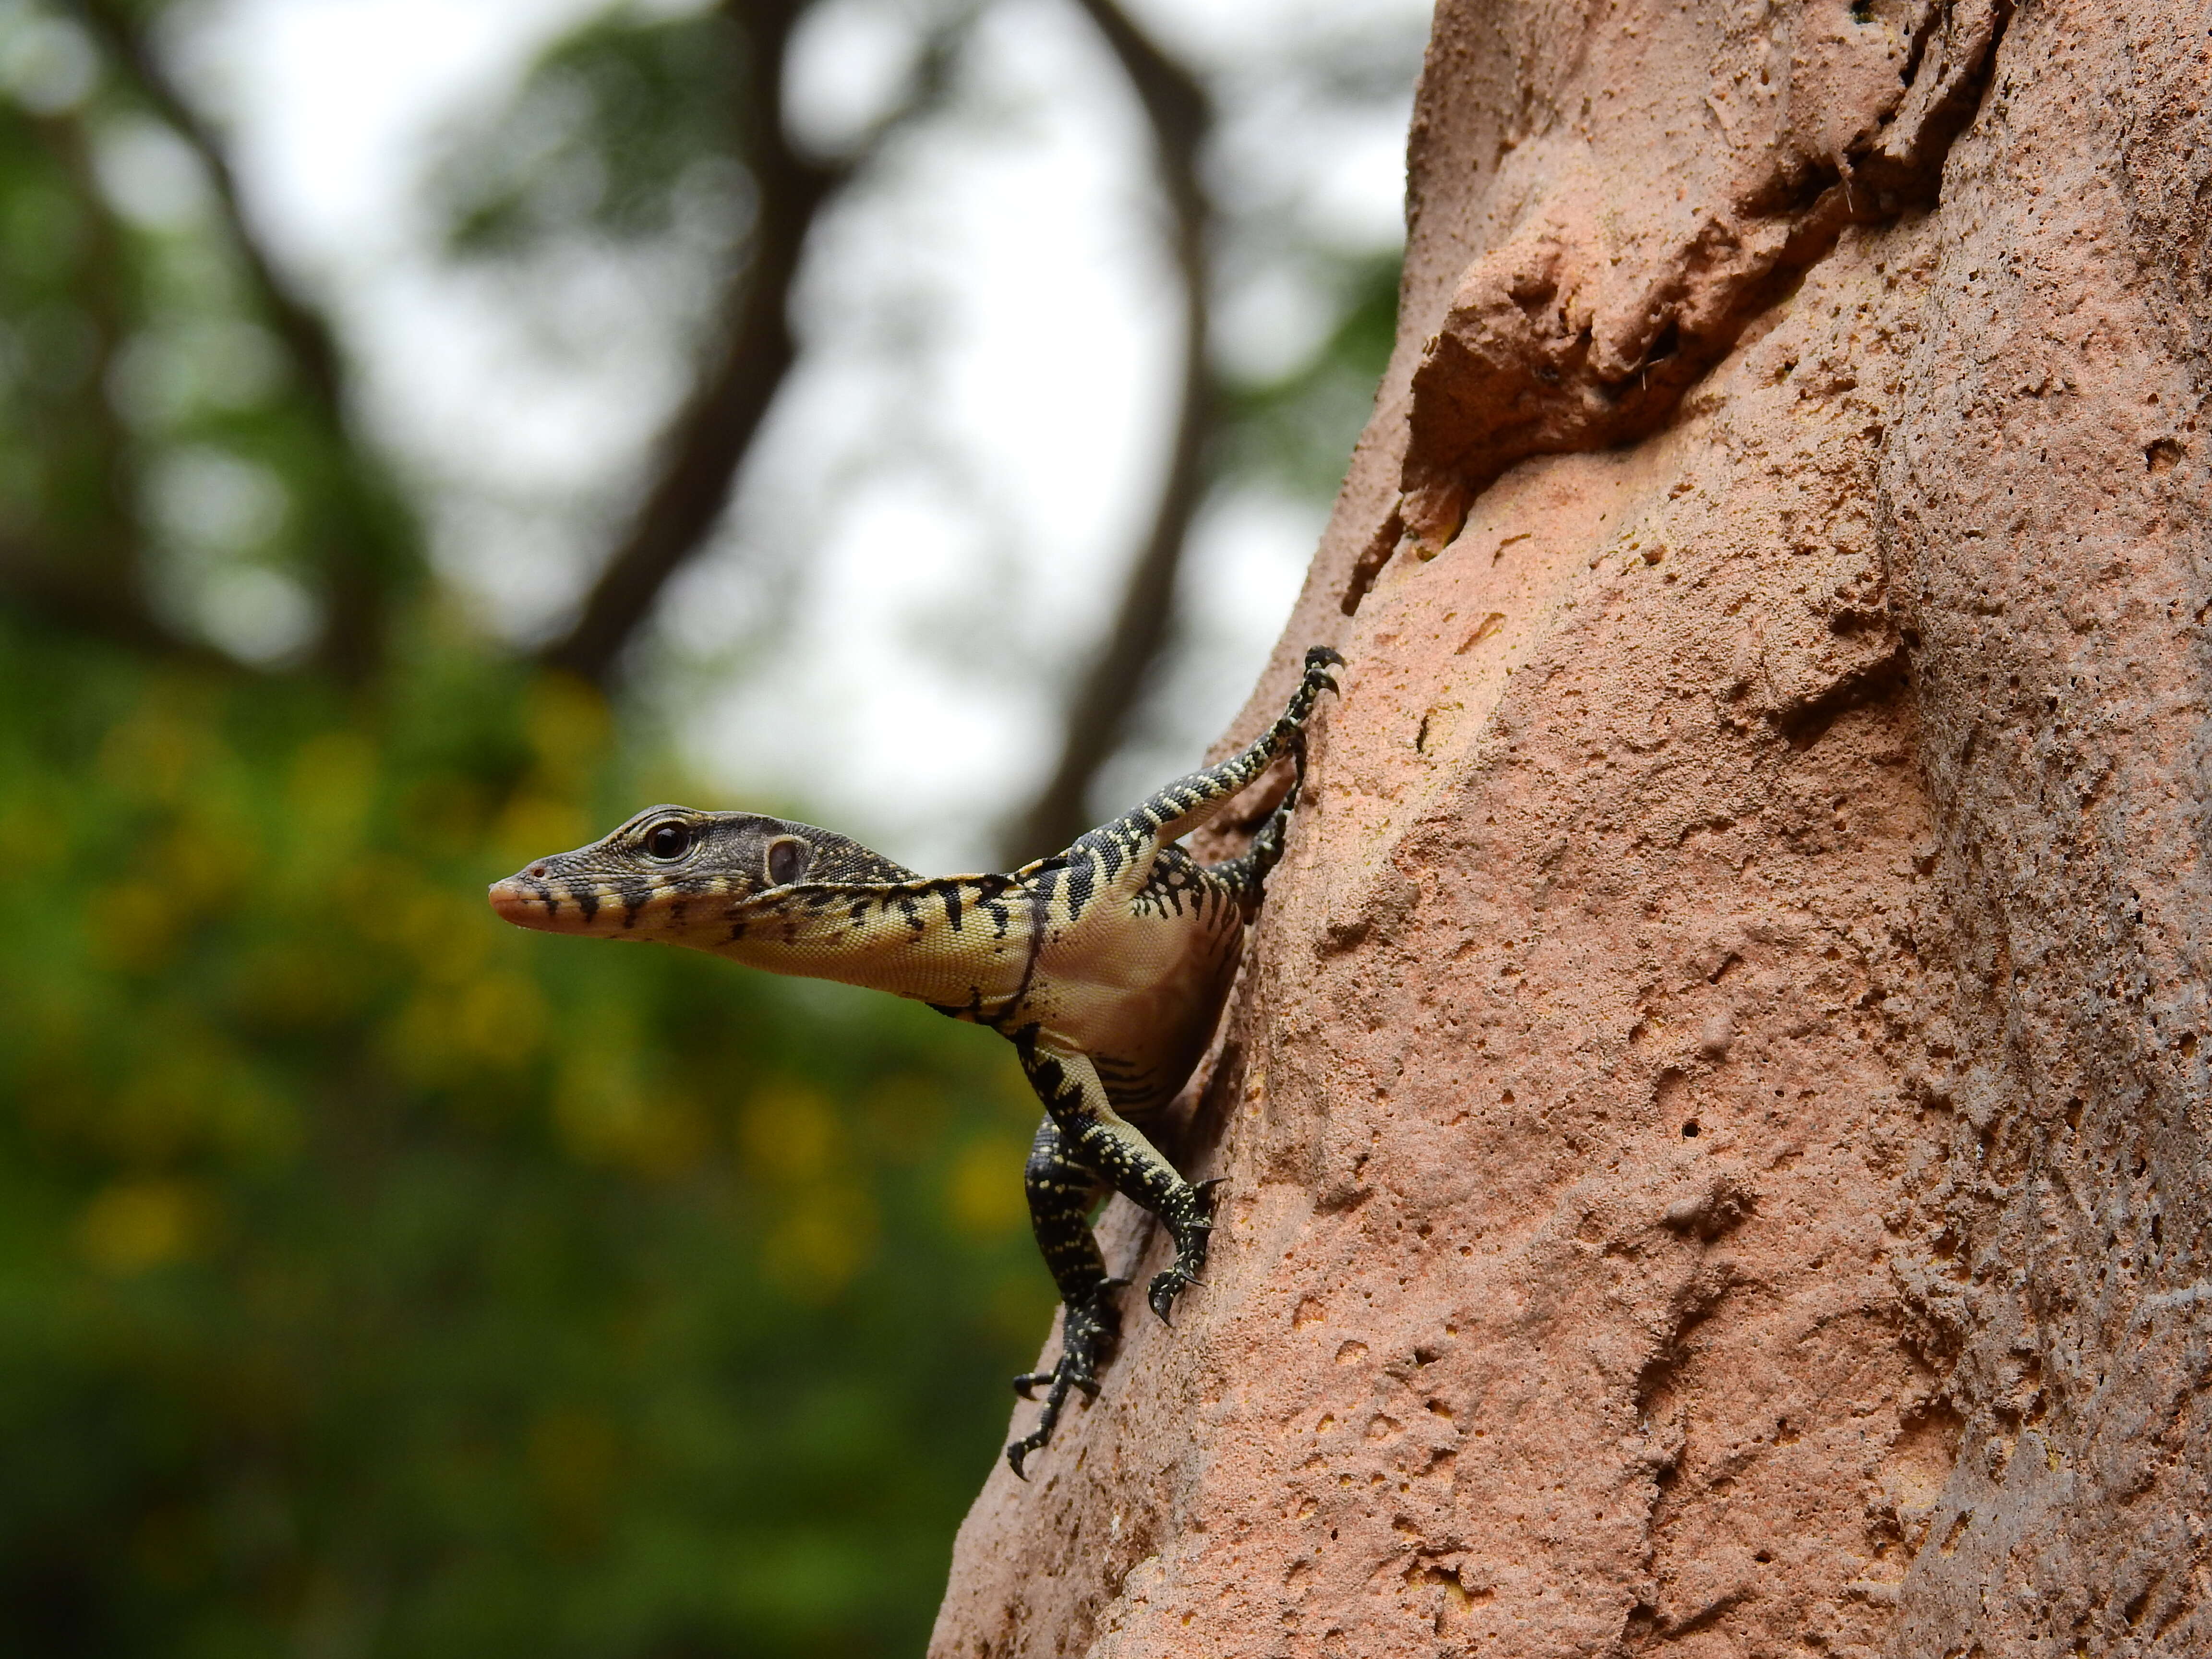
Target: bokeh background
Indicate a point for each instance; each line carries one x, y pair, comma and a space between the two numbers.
429, 430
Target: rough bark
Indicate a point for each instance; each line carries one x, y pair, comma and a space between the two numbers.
1714, 1111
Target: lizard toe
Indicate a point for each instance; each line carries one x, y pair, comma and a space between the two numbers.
1166, 1286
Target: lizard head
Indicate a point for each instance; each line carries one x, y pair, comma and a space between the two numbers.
680, 875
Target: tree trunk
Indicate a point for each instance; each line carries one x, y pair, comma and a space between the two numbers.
1714, 1112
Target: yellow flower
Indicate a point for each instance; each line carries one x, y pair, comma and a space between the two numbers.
786, 1133
144, 1223
983, 1189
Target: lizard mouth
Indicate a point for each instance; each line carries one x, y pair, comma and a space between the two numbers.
550, 898
551, 903
537, 904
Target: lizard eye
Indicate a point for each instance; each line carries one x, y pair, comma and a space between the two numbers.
668, 841
787, 857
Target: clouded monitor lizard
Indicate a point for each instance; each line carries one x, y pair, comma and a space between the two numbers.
1105, 966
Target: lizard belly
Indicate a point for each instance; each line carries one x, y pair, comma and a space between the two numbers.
1138, 994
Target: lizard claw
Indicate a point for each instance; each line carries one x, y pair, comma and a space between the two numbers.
1192, 1228
1086, 1334
1165, 1287
1320, 658
1204, 1191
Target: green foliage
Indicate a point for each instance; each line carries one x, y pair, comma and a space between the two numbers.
378, 1278
168, 460
618, 128
1295, 431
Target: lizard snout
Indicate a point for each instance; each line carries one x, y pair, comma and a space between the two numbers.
528, 903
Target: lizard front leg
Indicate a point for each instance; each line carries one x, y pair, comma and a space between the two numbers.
1062, 1191
1246, 875
1068, 1083
1127, 847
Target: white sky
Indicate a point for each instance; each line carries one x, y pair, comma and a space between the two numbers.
997, 308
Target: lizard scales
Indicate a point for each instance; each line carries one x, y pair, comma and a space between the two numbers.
1106, 965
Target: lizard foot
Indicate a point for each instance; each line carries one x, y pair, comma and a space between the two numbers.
1193, 1230
1086, 1337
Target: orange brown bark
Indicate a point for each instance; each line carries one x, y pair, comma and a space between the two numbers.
1714, 1112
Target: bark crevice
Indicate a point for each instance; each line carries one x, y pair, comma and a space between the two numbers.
1551, 347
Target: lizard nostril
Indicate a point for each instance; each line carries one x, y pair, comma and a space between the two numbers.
536, 871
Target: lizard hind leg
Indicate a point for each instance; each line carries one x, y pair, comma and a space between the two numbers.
1061, 1190
1103, 1139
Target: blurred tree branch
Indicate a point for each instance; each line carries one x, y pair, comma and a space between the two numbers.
82, 572
308, 336
97, 600
707, 442
1097, 713
364, 541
